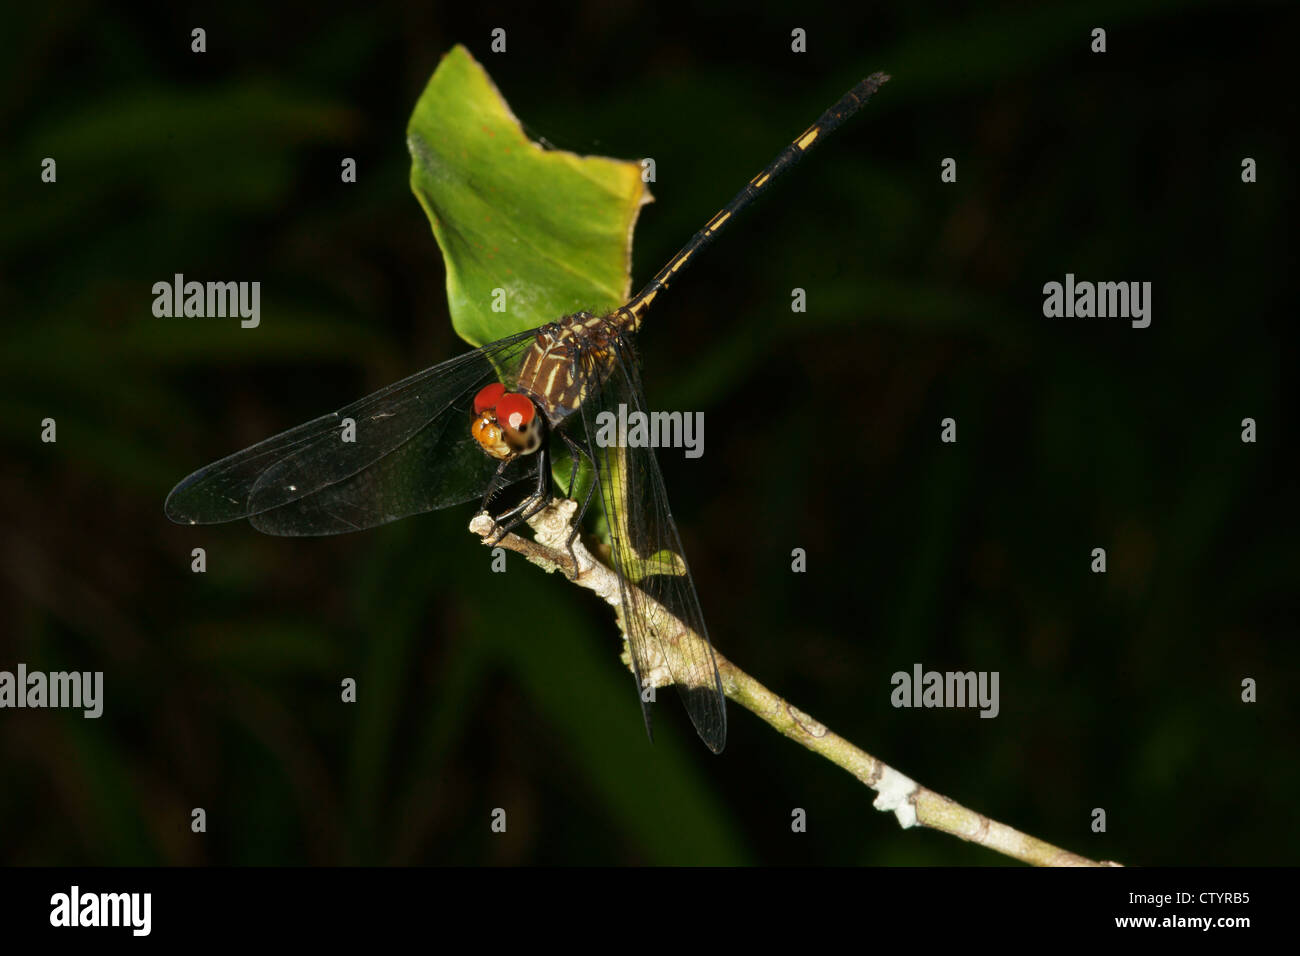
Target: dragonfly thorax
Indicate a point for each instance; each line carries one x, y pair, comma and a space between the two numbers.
506, 424
552, 383
566, 355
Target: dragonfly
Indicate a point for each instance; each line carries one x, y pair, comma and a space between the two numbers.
468, 427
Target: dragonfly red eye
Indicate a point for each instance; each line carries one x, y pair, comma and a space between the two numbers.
488, 397
515, 411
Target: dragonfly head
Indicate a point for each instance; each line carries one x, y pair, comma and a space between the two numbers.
506, 424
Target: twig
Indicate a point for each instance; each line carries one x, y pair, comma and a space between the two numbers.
911, 803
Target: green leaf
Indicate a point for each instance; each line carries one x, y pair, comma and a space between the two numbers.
550, 228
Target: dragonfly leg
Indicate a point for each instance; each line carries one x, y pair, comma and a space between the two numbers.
509, 520
542, 497
577, 451
493, 486
574, 452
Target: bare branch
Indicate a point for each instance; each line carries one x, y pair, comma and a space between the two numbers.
911, 803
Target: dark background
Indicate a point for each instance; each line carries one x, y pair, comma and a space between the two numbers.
477, 691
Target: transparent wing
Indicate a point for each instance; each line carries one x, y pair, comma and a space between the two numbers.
662, 616
410, 452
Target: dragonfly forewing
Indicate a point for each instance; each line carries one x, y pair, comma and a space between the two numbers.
401, 451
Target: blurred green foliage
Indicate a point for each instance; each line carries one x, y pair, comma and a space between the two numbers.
480, 691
